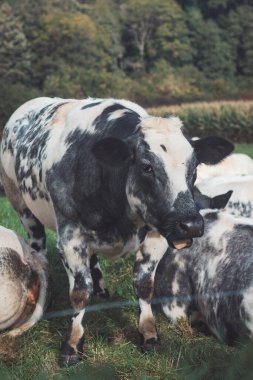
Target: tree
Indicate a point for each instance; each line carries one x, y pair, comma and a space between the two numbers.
212, 54
14, 52
155, 29
106, 15
63, 38
245, 46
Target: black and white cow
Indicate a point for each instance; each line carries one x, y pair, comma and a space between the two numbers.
241, 201
97, 171
212, 281
235, 164
23, 283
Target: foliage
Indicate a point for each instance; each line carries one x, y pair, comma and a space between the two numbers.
14, 54
150, 51
155, 30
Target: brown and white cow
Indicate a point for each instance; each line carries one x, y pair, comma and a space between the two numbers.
23, 283
97, 171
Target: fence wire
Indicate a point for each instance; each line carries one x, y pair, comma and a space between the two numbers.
154, 301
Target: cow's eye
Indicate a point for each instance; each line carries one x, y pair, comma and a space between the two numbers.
147, 168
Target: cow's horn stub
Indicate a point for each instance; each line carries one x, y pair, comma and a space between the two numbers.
180, 244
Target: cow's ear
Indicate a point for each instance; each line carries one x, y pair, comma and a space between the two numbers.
111, 151
220, 201
211, 150
202, 201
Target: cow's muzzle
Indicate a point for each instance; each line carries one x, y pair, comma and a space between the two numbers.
190, 227
183, 231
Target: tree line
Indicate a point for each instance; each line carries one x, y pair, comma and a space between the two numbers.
149, 51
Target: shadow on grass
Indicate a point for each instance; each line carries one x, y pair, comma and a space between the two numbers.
239, 365
84, 371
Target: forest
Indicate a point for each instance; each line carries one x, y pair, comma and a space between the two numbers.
153, 52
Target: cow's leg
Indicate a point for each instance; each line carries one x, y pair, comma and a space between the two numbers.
76, 259
147, 259
97, 278
35, 230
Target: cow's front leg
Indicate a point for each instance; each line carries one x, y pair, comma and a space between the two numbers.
147, 259
76, 259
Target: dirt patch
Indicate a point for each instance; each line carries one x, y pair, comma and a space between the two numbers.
9, 348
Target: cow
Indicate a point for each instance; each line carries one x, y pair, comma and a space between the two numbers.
235, 164
212, 281
23, 283
241, 201
97, 171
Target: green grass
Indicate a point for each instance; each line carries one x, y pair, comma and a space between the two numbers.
111, 339
244, 148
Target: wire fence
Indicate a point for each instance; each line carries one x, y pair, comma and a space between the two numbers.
154, 301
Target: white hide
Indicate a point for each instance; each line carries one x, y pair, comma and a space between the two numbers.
235, 164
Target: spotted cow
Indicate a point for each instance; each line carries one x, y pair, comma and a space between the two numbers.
97, 171
235, 164
23, 283
212, 281
241, 201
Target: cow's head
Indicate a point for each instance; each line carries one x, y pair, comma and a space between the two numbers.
161, 172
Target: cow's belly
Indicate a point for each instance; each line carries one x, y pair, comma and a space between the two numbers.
42, 209
117, 249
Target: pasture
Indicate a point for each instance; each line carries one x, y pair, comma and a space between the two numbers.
111, 339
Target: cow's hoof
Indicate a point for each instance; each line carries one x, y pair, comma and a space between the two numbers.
68, 356
150, 345
102, 293
68, 360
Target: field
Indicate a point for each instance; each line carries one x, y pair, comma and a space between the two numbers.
231, 119
111, 339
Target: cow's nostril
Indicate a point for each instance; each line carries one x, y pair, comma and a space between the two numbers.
185, 226
191, 227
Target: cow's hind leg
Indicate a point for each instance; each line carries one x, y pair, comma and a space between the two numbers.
99, 288
148, 257
35, 230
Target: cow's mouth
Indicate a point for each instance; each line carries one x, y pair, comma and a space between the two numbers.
180, 244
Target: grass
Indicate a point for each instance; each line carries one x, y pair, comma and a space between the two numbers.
244, 148
111, 339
